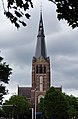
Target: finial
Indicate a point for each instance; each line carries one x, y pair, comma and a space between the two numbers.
41, 7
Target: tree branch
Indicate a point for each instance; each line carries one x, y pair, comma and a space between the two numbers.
53, 1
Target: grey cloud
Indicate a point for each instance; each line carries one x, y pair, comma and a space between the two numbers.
19, 55
65, 72
18, 47
63, 44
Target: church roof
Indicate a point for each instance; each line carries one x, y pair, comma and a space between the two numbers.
24, 91
40, 46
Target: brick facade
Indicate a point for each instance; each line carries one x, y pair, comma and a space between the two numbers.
40, 68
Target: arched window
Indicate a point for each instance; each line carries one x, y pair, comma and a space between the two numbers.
39, 97
44, 69
37, 69
41, 83
40, 71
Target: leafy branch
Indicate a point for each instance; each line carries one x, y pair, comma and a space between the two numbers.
16, 10
68, 10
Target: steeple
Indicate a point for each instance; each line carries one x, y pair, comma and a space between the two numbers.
40, 46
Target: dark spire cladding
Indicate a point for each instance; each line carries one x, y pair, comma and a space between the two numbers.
40, 47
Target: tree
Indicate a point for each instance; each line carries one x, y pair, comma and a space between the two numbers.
72, 106
17, 9
68, 10
5, 72
59, 105
54, 104
1, 112
19, 109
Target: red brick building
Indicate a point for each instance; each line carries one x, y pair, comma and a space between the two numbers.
40, 70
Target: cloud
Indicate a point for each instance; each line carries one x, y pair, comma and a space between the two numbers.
18, 48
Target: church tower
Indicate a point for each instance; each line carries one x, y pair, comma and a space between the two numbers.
40, 66
40, 71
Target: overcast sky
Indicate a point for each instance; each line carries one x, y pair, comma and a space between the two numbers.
18, 47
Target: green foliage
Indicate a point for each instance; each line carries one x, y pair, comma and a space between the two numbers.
54, 104
72, 106
1, 112
5, 72
16, 10
68, 10
20, 106
59, 105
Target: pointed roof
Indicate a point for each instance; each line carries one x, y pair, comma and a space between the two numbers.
40, 46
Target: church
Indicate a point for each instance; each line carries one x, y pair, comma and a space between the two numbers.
41, 79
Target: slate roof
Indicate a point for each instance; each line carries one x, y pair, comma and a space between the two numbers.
40, 47
24, 91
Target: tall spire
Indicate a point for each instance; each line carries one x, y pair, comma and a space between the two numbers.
40, 47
